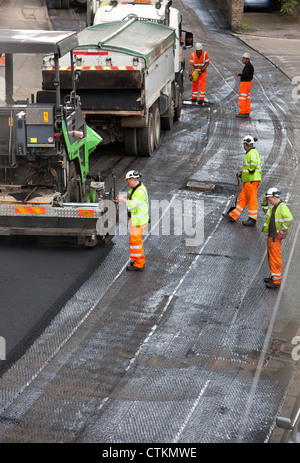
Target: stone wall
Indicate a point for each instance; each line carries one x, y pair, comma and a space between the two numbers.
233, 11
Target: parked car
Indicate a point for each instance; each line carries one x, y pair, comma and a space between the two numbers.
259, 5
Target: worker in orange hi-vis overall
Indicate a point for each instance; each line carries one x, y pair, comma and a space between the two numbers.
278, 221
245, 86
251, 177
138, 211
199, 62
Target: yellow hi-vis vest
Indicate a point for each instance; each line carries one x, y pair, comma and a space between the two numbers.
138, 205
283, 217
251, 163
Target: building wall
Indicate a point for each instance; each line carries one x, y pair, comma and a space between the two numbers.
233, 11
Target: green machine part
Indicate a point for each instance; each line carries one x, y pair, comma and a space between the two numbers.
81, 148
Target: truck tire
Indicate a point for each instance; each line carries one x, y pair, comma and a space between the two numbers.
178, 109
146, 137
157, 127
168, 121
130, 141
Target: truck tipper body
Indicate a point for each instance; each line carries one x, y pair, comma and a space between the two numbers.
130, 73
46, 186
127, 81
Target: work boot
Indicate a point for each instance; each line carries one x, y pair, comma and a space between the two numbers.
268, 280
272, 285
249, 223
228, 217
133, 268
193, 100
200, 102
242, 115
132, 263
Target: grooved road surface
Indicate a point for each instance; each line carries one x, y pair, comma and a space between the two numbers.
193, 349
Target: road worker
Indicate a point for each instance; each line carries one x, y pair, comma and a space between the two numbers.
245, 86
138, 212
251, 177
199, 62
278, 221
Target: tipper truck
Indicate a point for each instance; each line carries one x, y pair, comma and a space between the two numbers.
46, 187
129, 75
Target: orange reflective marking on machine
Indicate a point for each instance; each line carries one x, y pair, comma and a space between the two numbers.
86, 213
30, 210
97, 68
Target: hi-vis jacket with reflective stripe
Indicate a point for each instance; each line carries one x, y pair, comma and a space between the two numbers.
251, 163
198, 63
138, 205
283, 217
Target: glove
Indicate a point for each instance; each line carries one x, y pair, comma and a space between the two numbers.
280, 236
195, 75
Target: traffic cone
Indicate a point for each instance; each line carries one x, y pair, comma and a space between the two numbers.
2, 60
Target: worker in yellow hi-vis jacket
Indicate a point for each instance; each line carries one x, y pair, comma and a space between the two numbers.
138, 211
278, 221
251, 178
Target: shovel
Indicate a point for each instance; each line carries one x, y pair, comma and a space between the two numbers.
236, 194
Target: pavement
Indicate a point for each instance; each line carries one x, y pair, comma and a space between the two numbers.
277, 38
274, 36
24, 14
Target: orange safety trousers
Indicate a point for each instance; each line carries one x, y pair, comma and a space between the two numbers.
244, 97
275, 259
136, 248
248, 197
199, 84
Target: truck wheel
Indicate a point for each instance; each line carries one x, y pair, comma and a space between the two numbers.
157, 127
178, 109
168, 121
146, 138
130, 141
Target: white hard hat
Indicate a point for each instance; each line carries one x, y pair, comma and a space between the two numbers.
273, 192
249, 140
133, 174
199, 46
246, 55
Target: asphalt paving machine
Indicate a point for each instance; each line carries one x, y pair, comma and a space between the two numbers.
46, 187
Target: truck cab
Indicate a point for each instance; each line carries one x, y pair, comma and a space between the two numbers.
159, 12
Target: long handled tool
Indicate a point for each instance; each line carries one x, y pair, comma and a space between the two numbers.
236, 194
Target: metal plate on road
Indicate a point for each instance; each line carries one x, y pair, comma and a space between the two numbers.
192, 103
